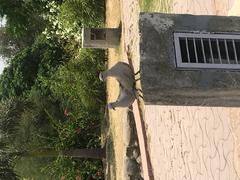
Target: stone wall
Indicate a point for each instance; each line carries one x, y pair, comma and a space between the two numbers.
162, 83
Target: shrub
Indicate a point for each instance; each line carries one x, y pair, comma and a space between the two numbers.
76, 83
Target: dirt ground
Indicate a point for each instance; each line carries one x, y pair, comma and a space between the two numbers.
123, 159
117, 119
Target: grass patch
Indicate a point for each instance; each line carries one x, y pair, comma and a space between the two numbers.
156, 6
146, 5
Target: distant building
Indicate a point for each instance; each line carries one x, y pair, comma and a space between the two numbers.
100, 37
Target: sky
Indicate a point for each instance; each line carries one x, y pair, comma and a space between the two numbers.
3, 21
2, 64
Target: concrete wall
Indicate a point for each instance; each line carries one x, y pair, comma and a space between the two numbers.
163, 84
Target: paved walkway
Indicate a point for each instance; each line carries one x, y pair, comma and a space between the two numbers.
202, 7
193, 143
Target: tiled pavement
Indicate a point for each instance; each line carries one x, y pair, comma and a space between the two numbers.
193, 143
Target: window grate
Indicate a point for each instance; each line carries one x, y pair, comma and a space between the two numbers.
202, 50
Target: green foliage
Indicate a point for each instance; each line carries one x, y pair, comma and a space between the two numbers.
25, 22
83, 12
146, 4
6, 167
66, 21
23, 127
75, 132
79, 81
81, 95
31, 167
38, 60
69, 168
8, 45
24, 124
156, 5
62, 167
50, 93
10, 112
16, 78
34, 129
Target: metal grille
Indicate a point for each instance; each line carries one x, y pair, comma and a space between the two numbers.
198, 50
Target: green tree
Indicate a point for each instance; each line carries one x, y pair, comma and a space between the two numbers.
51, 83
40, 59
24, 19
7, 167
83, 12
8, 45
10, 117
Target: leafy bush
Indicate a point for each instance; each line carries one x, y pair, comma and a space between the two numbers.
83, 12
70, 168
80, 86
81, 95
30, 168
60, 97
24, 20
76, 85
66, 21
34, 129
41, 59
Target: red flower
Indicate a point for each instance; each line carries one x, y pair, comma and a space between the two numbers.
78, 130
66, 113
78, 178
98, 173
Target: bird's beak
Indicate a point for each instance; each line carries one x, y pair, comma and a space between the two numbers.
110, 106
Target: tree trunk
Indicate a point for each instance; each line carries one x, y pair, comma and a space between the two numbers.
96, 153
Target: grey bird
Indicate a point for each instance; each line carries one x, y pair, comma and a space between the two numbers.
125, 76
125, 99
122, 72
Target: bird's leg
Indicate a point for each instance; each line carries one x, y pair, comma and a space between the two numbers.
138, 72
140, 96
135, 74
137, 79
130, 110
138, 90
128, 51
